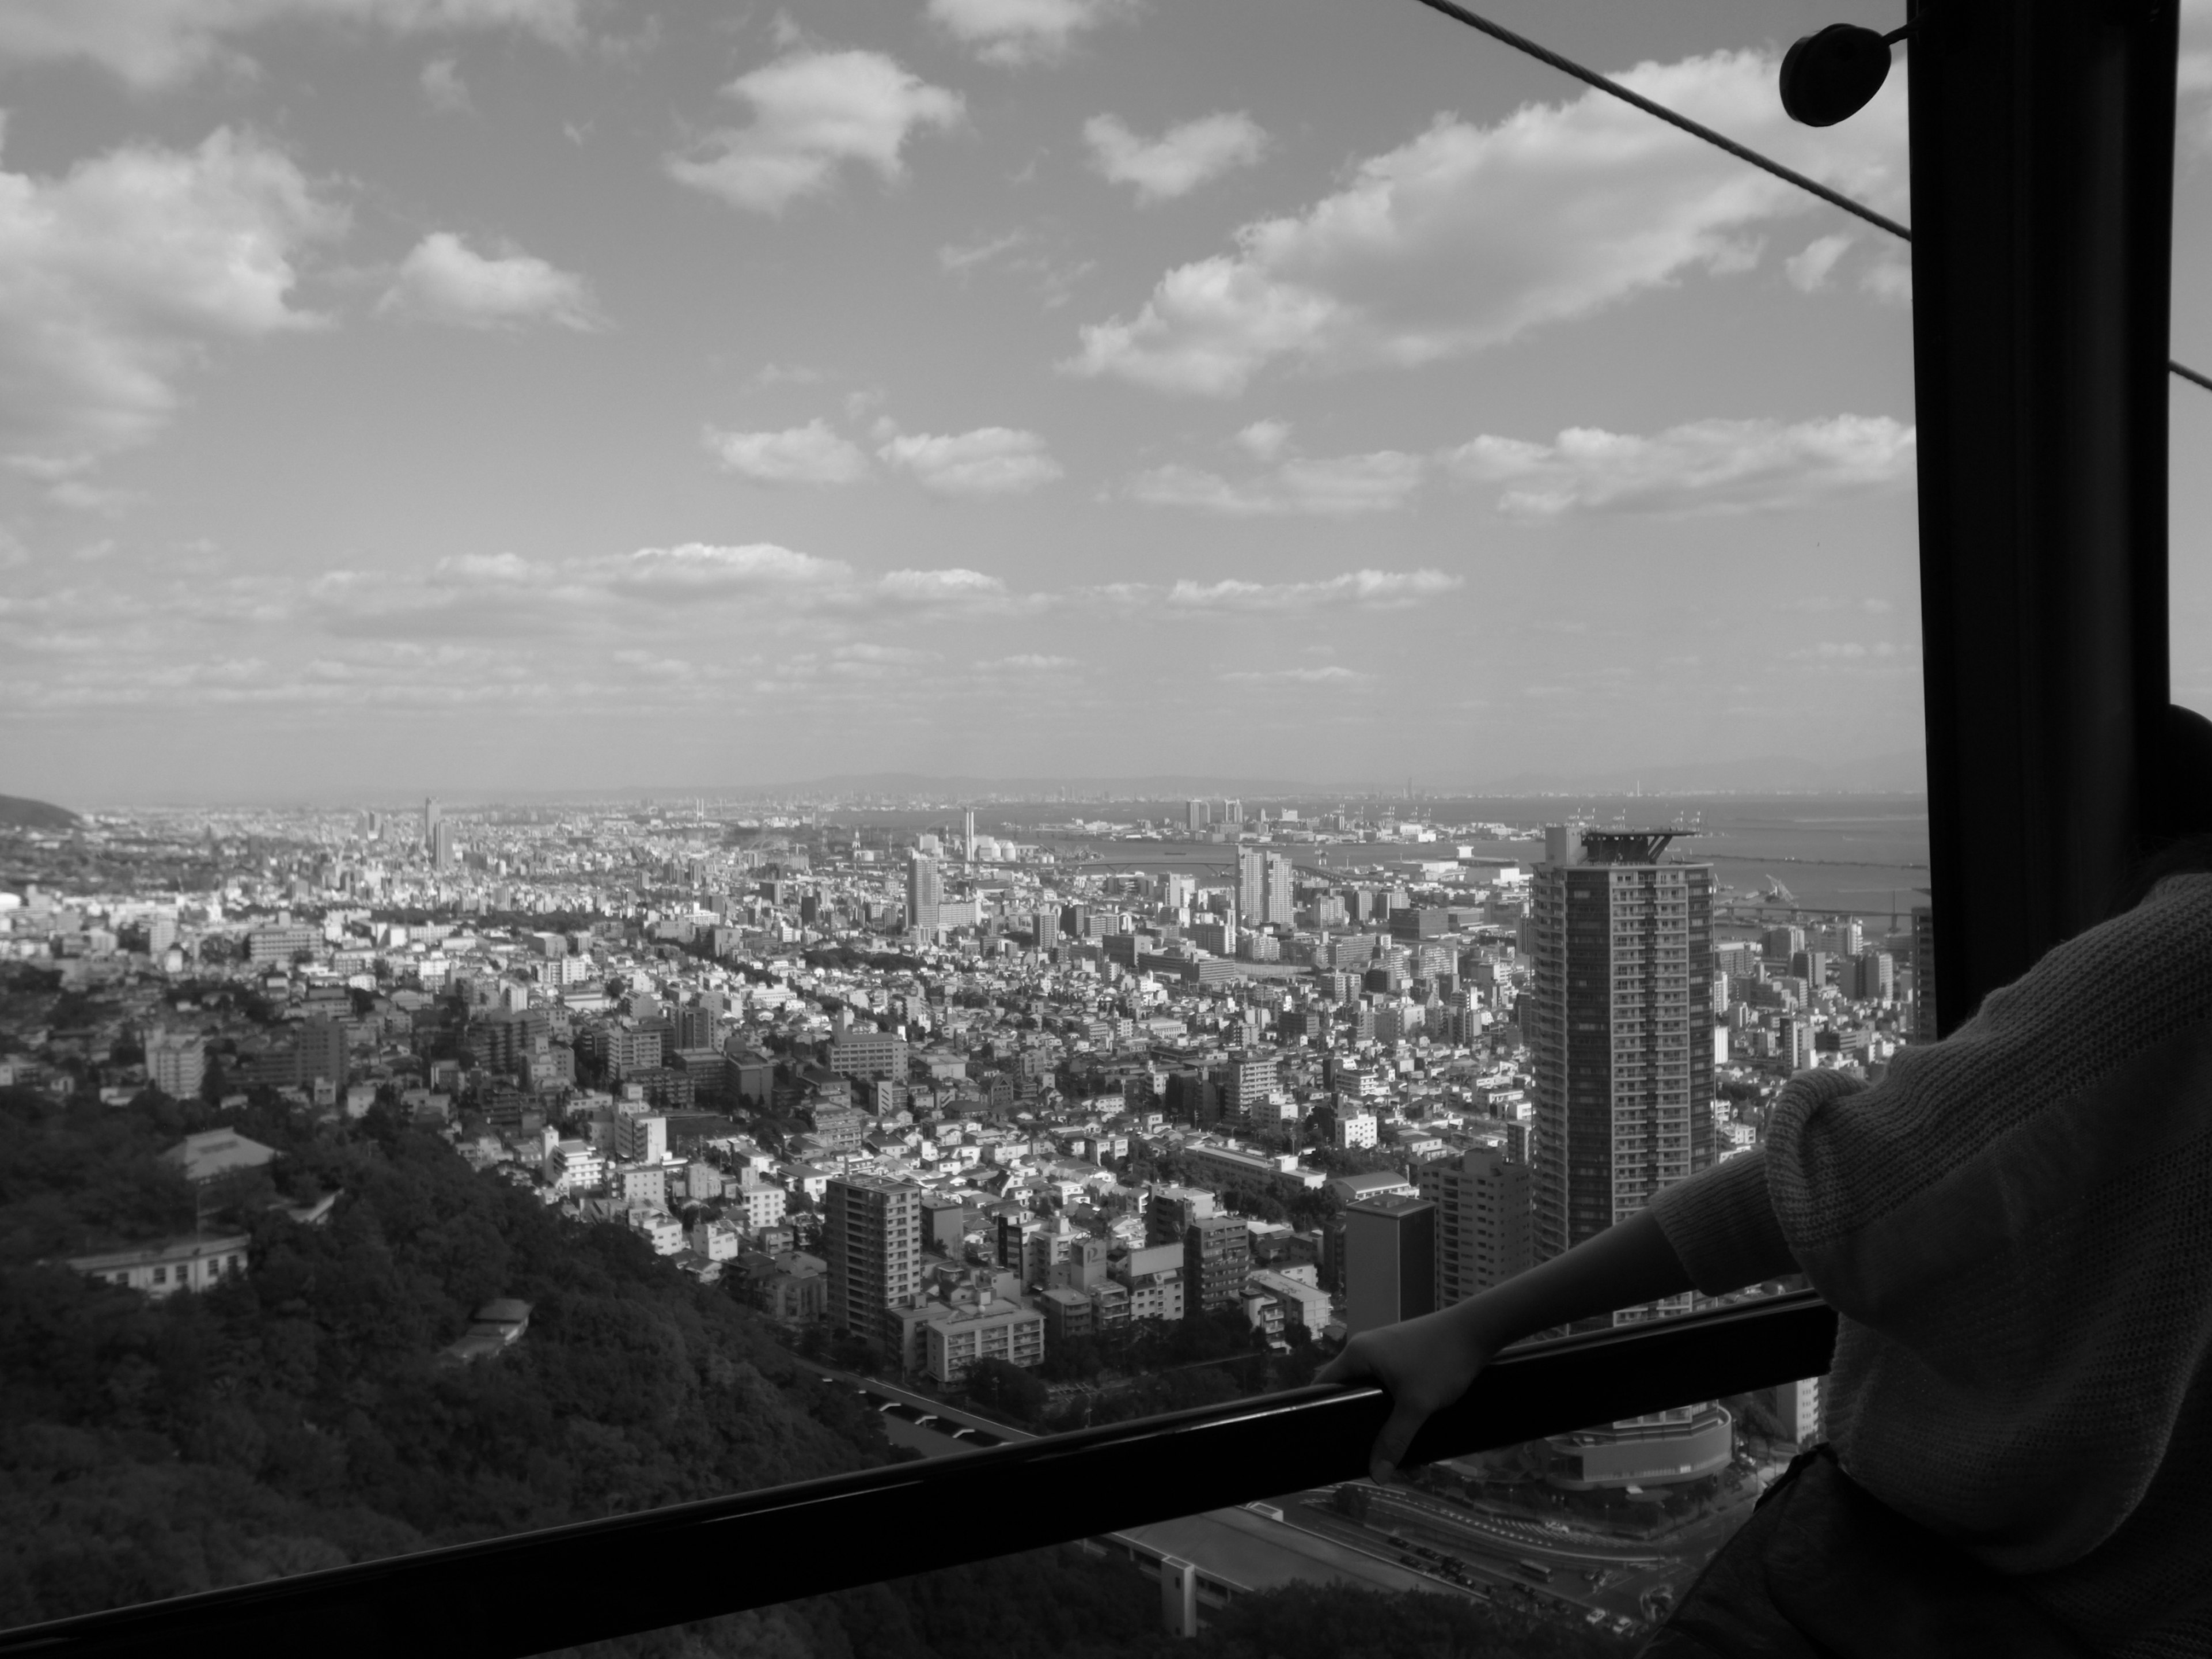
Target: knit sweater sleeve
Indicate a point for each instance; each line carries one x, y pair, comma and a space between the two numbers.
1723, 1226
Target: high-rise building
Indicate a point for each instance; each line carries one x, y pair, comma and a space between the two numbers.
967, 834
1251, 884
323, 1050
1924, 1028
443, 855
925, 893
1389, 1262
1621, 1028
1485, 1220
871, 1237
176, 1062
432, 816
1216, 1255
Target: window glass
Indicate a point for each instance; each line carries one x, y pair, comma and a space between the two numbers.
749, 746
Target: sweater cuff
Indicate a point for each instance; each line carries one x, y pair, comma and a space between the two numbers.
1723, 1225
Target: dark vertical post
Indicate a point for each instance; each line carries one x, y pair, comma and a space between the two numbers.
2042, 228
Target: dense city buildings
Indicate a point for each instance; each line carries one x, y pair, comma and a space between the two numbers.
948, 1099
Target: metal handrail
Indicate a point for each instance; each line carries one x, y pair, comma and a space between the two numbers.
506, 1597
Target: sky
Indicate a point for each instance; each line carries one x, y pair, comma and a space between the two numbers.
463, 396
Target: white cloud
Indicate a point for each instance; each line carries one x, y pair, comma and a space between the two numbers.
1181, 159
153, 43
444, 89
443, 280
1809, 270
1012, 33
1704, 467
1470, 235
809, 454
1889, 279
991, 460
1265, 440
115, 278
1331, 675
813, 111
2194, 78
1342, 486
1371, 589
958, 257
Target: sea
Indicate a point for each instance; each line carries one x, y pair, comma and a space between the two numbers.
1773, 856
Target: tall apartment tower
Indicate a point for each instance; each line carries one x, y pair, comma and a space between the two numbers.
1621, 1028
431, 818
1198, 817
1252, 886
442, 855
1924, 1028
924, 893
1486, 1220
967, 834
871, 1237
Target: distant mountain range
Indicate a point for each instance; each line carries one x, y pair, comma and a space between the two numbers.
17, 813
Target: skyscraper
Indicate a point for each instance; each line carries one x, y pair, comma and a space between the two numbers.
967, 834
872, 1237
924, 893
442, 854
1621, 1028
1251, 885
1485, 1220
1198, 817
431, 818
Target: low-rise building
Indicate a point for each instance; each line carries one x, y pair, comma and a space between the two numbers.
997, 1329
173, 1264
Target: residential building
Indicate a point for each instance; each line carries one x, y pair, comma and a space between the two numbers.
1389, 1262
997, 1329
872, 1236
758, 1205
865, 1052
1485, 1223
1217, 1254
1620, 1029
176, 1063
640, 1137
925, 893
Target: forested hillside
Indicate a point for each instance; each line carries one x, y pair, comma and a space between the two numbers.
298, 1418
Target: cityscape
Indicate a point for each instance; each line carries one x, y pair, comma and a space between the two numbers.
754, 750
1002, 1119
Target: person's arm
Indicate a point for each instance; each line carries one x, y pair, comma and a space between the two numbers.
1426, 1364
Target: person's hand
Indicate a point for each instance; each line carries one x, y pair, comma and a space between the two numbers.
1423, 1364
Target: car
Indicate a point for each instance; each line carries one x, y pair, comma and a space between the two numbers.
1595, 1616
